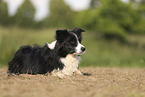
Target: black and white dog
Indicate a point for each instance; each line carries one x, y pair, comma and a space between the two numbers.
59, 58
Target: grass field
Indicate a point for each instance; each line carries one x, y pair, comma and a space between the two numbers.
99, 52
103, 82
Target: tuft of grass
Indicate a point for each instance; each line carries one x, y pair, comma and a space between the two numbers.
99, 52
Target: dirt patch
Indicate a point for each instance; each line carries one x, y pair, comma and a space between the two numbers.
103, 82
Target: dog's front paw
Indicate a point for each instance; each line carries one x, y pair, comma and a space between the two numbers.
77, 72
58, 74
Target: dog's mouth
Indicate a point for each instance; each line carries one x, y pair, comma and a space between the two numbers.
75, 52
81, 53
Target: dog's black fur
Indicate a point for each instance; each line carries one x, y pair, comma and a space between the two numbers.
41, 60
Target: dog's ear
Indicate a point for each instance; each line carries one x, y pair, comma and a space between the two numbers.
61, 35
78, 32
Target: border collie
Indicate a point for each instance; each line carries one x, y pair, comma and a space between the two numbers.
59, 58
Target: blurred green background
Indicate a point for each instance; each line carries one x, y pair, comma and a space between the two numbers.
114, 37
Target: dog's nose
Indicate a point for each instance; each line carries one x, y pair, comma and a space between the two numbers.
83, 49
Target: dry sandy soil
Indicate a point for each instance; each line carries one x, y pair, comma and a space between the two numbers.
103, 82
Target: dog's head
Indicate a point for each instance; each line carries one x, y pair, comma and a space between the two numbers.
69, 42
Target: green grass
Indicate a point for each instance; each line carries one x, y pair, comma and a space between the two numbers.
99, 52
104, 53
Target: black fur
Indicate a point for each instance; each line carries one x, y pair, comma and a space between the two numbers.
41, 60
34, 60
78, 32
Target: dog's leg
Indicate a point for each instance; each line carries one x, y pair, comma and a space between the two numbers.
77, 72
57, 73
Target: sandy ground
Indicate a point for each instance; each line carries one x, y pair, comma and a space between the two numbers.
103, 82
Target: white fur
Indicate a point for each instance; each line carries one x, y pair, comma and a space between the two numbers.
57, 73
70, 62
70, 66
52, 45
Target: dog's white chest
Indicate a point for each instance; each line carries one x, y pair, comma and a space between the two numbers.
70, 64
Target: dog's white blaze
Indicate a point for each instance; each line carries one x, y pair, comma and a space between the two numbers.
79, 46
78, 49
70, 62
52, 45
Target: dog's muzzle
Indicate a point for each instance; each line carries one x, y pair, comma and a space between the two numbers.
80, 49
